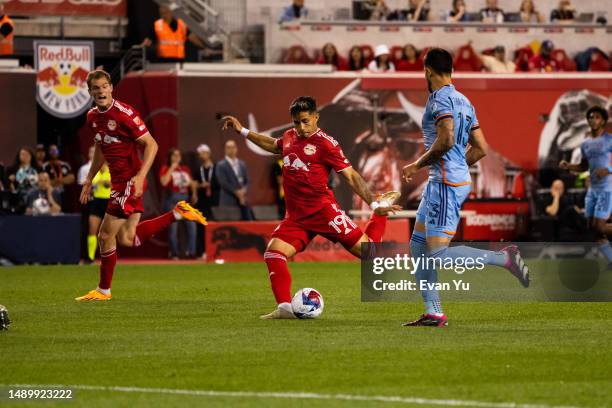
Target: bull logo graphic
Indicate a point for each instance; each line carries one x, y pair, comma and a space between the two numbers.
61, 79
292, 161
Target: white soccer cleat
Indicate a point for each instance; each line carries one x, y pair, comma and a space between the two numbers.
279, 313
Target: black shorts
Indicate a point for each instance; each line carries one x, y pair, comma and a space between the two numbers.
97, 207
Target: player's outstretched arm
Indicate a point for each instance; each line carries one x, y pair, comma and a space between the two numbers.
478, 147
445, 139
96, 165
360, 187
265, 142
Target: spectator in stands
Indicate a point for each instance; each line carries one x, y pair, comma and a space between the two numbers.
44, 199
492, 13
23, 176
295, 11
458, 12
170, 35
498, 63
410, 59
84, 169
529, 13
40, 155
206, 183
329, 55
543, 62
208, 192
565, 13
382, 60
296, 54
232, 177
59, 171
418, 10
6, 33
568, 217
356, 59
467, 59
377, 9
176, 179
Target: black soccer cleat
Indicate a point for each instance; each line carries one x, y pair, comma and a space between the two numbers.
4, 318
516, 265
429, 320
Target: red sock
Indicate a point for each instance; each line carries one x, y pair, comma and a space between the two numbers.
108, 260
375, 228
146, 229
280, 279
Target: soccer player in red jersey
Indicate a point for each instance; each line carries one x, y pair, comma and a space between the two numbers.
119, 132
311, 208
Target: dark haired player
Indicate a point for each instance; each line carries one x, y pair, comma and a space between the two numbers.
596, 149
311, 208
119, 131
449, 126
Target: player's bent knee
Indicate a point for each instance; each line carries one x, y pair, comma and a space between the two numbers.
281, 246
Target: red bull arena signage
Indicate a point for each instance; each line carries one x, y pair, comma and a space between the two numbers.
61, 76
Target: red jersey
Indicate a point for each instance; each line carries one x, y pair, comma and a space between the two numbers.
539, 64
116, 131
307, 162
180, 179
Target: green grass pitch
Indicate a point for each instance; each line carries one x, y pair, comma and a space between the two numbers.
196, 327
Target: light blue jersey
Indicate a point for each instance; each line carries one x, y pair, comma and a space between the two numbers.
596, 150
598, 201
447, 102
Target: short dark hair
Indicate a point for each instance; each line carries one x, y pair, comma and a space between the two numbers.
439, 60
599, 109
303, 104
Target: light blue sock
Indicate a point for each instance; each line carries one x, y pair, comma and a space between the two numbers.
418, 248
606, 250
488, 257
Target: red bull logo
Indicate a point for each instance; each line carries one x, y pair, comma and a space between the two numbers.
61, 80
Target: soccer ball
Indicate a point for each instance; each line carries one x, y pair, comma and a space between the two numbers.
307, 303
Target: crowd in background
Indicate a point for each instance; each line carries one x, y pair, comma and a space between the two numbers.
533, 57
34, 185
526, 11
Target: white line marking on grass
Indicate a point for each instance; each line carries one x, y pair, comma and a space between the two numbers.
291, 395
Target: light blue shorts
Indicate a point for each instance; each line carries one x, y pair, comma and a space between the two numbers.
440, 206
598, 204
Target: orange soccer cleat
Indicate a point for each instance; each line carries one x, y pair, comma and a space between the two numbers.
189, 213
93, 295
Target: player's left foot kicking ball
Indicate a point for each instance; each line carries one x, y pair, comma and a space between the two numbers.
279, 313
94, 295
429, 320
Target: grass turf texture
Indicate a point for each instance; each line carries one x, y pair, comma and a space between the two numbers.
197, 327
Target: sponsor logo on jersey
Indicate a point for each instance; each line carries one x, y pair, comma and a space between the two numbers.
310, 149
107, 139
61, 76
137, 121
112, 125
293, 162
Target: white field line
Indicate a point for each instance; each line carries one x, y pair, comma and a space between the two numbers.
289, 395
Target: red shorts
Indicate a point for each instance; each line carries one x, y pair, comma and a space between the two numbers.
122, 202
330, 222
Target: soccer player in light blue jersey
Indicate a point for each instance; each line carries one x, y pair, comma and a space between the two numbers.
453, 142
596, 149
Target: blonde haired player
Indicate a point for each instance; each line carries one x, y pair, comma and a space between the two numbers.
119, 132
